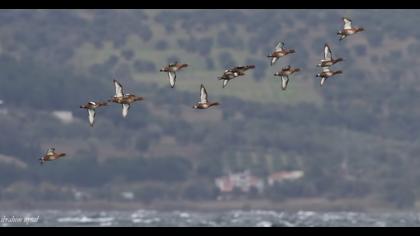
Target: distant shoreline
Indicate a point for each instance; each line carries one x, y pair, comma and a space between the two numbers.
313, 204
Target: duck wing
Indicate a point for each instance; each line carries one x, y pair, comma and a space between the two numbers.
347, 23
91, 113
280, 46
273, 60
225, 82
203, 94
284, 82
118, 89
327, 53
125, 108
172, 78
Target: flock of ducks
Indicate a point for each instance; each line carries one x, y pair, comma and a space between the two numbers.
126, 100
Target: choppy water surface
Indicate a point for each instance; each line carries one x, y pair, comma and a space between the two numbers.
148, 218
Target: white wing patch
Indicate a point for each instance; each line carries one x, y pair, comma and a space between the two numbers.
327, 53
284, 81
203, 94
280, 46
225, 82
125, 109
91, 116
172, 78
118, 89
273, 60
323, 80
347, 23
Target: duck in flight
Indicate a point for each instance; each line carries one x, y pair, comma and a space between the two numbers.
172, 69
51, 155
124, 99
328, 59
204, 103
234, 72
348, 29
327, 73
91, 108
279, 51
284, 74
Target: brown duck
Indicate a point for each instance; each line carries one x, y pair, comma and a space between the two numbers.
279, 51
171, 69
234, 72
51, 155
229, 75
348, 29
124, 99
91, 108
326, 73
328, 59
284, 74
204, 103
241, 69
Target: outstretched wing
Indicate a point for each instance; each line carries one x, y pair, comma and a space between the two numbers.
91, 116
172, 78
125, 108
118, 89
273, 60
284, 82
225, 82
347, 23
280, 46
203, 94
327, 53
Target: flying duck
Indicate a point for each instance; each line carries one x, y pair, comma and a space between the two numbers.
124, 100
328, 59
234, 72
204, 103
279, 51
241, 69
91, 106
284, 74
229, 75
348, 29
171, 69
51, 155
326, 73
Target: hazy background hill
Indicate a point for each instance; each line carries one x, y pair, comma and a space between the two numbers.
357, 137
